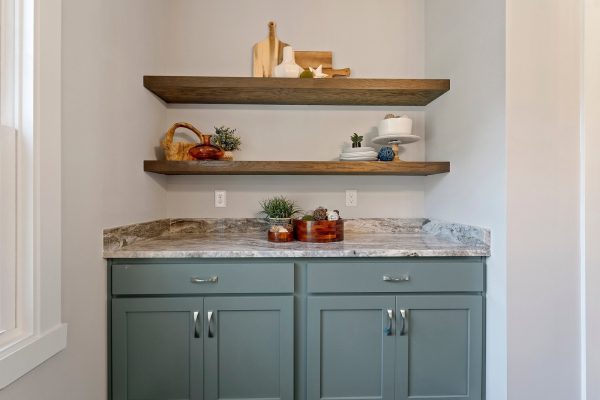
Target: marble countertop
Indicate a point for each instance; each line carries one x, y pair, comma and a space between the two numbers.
187, 238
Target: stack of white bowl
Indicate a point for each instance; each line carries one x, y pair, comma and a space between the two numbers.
358, 154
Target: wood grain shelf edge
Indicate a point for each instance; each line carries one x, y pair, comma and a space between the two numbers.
406, 168
337, 91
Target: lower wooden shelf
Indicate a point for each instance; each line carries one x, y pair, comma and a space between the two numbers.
406, 168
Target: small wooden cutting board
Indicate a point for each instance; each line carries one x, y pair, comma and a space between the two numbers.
267, 54
313, 59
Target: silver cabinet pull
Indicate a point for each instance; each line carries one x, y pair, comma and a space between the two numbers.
197, 328
402, 278
390, 316
210, 324
212, 279
404, 316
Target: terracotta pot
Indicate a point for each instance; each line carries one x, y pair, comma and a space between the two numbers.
319, 231
228, 156
206, 150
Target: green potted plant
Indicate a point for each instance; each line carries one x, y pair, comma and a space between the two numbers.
279, 211
226, 139
356, 140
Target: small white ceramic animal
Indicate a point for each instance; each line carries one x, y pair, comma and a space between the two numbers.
318, 72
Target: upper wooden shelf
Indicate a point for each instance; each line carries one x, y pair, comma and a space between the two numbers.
337, 91
296, 168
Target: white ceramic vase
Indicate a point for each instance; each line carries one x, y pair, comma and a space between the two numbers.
288, 67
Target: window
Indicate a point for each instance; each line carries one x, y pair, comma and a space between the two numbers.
31, 330
7, 230
8, 160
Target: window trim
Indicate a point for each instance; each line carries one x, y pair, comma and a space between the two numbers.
8, 262
40, 332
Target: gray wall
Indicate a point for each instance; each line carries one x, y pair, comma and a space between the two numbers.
543, 202
375, 39
592, 193
465, 41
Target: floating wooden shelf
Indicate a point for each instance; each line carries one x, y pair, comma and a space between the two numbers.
337, 91
296, 168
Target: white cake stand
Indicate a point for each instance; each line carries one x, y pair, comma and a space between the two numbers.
396, 141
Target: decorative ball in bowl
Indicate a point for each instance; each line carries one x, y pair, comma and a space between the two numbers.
322, 226
319, 231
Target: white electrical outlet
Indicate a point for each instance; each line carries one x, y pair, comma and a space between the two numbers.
351, 198
220, 198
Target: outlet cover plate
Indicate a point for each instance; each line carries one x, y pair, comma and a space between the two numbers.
351, 198
220, 198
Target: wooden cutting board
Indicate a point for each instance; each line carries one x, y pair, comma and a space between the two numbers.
267, 54
313, 59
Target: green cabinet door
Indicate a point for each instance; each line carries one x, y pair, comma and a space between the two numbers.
249, 347
157, 349
350, 347
439, 342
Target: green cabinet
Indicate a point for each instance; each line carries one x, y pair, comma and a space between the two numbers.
202, 348
316, 329
439, 342
248, 348
350, 348
394, 347
156, 352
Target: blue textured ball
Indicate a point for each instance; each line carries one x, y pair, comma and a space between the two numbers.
386, 154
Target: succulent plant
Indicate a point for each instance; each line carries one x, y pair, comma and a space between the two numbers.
356, 140
320, 214
279, 207
226, 139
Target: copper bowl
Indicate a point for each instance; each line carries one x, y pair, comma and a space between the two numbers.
319, 231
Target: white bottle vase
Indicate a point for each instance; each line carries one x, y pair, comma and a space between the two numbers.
288, 67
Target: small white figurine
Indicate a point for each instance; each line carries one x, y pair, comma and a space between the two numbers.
318, 72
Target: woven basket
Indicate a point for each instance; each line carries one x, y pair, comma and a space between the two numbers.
179, 151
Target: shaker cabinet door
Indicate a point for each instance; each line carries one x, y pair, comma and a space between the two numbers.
439, 347
249, 348
350, 345
157, 349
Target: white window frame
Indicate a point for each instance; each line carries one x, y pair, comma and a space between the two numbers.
8, 185
38, 333
8, 182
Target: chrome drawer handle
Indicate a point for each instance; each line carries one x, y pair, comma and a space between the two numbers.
211, 332
404, 317
197, 328
212, 279
388, 329
402, 278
